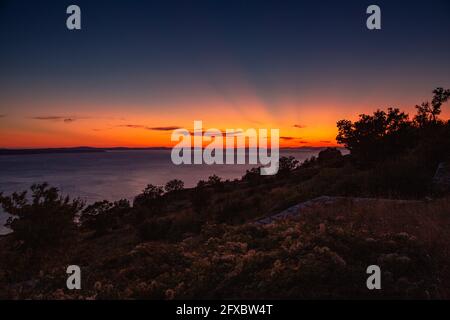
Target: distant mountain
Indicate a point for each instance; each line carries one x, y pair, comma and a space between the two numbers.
5, 152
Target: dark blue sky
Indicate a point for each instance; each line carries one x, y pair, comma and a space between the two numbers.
162, 54
262, 37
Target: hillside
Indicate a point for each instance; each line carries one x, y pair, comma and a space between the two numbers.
323, 253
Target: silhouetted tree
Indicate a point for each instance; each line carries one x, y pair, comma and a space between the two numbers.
427, 113
216, 182
46, 220
174, 185
384, 134
103, 215
375, 136
287, 165
253, 176
151, 199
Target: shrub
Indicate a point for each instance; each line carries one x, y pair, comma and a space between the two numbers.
287, 165
150, 198
201, 198
253, 176
169, 228
329, 155
104, 215
174, 185
154, 229
46, 220
216, 182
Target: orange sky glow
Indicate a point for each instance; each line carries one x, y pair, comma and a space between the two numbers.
314, 126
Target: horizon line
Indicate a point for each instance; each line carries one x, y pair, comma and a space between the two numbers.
151, 147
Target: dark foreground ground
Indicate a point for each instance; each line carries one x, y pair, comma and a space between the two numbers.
204, 243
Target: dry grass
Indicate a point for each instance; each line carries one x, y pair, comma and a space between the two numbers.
427, 221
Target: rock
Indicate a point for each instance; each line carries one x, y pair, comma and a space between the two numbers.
329, 154
441, 179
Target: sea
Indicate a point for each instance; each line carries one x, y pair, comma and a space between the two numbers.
111, 175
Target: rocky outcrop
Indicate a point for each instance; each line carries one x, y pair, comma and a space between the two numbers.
324, 201
295, 210
441, 179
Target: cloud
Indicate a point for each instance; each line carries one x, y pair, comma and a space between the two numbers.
299, 126
191, 132
56, 118
325, 141
132, 126
140, 126
168, 128
172, 128
297, 139
236, 133
288, 138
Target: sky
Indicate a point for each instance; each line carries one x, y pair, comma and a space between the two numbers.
139, 69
